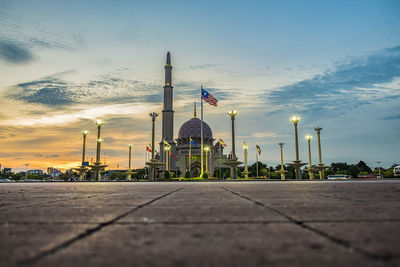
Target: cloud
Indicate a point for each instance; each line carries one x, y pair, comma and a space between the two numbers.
266, 135
55, 91
393, 117
15, 53
349, 85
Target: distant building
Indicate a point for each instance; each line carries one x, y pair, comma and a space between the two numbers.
7, 170
53, 172
35, 172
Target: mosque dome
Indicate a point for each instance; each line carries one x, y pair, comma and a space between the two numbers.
191, 128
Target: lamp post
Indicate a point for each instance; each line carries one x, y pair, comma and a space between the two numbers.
233, 113
233, 162
245, 147
207, 150
379, 168
153, 116
321, 168
282, 170
26, 171
295, 120
98, 123
153, 163
166, 148
82, 170
84, 133
310, 170
296, 163
129, 174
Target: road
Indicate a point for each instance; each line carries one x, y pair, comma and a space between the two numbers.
282, 223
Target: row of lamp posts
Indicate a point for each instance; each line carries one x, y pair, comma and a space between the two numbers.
97, 167
231, 162
297, 164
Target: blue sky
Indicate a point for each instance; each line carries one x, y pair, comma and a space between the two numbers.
65, 63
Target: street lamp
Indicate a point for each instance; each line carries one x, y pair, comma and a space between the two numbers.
83, 168
282, 170
166, 148
245, 147
99, 123
321, 168
207, 150
295, 120
153, 116
128, 176
233, 113
310, 173
296, 163
379, 168
153, 163
233, 163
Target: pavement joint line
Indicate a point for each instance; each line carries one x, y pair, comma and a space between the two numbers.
52, 201
343, 198
89, 232
196, 222
387, 258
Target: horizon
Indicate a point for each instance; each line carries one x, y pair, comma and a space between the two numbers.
64, 65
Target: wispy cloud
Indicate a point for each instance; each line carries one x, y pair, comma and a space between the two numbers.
356, 82
15, 53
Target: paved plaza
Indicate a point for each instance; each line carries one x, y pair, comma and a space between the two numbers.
288, 223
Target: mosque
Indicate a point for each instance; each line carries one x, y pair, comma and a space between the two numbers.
186, 156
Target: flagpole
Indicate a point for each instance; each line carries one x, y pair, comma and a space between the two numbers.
220, 157
167, 156
201, 131
190, 154
256, 163
145, 160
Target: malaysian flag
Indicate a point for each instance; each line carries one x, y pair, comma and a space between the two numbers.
208, 97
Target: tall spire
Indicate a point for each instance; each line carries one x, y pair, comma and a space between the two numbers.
168, 59
194, 112
168, 71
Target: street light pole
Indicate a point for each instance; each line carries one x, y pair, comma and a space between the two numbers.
245, 147
153, 162
233, 113
84, 133
233, 162
166, 148
129, 177
282, 171
99, 123
310, 173
296, 163
379, 168
207, 149
321, 166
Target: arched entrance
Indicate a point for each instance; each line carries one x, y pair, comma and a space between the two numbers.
195, 169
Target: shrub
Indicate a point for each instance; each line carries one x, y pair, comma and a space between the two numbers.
167, 175
187, 174
204, 176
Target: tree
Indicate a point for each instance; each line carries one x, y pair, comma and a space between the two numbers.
227, 173
167, 175
187, 174
362, 166
253, 168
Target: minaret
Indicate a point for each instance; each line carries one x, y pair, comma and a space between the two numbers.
168, 115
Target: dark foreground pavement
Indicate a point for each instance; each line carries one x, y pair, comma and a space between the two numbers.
350, 223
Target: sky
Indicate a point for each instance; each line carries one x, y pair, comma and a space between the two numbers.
64, 64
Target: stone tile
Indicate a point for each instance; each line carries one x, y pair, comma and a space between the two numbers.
21, 241
205, 245
380, 238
